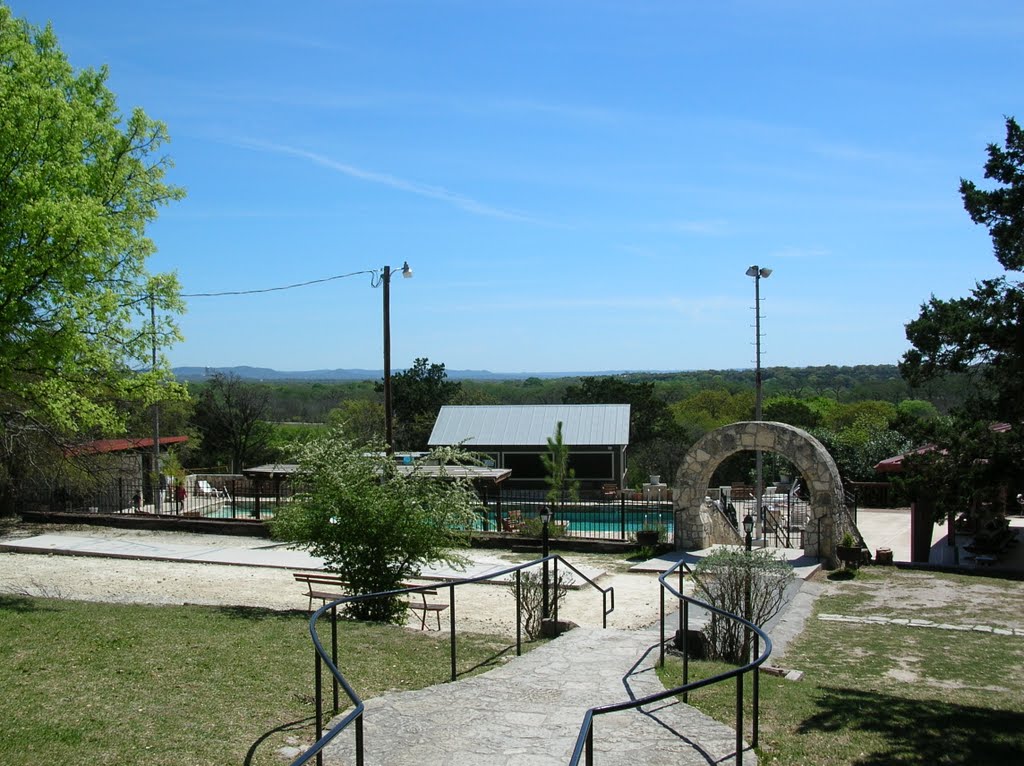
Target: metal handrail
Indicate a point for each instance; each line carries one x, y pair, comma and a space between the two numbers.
585, 739
322, 656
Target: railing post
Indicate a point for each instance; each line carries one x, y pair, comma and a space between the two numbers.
556, 599
359, 740
519, 612
756, 711
334, 653
661, 607
622, 513
318, 687
686, 647
590, 744
451, 624
739, 720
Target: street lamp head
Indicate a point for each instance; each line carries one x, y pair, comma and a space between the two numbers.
765, 273
406, 270
752, 271
757, 272
748, 525
545, 513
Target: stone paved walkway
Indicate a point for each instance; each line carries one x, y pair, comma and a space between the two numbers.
528, 713
917, 623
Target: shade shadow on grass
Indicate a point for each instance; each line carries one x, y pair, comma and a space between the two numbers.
23, 605
488, 662
298, 726
920, 732
255, 613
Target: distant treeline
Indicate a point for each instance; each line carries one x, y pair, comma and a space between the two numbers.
311, 401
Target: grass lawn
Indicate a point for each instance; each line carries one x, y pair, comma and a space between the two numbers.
118, 684
887, 694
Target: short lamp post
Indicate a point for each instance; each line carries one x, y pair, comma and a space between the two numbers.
545, 517
384, 280
748, 529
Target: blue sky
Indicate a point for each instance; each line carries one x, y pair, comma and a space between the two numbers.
577, 185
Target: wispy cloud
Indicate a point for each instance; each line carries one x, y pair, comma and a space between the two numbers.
441, 194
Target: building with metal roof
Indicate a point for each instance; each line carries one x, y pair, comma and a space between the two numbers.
515, 436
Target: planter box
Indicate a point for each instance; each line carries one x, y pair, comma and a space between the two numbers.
647, 537
850, 555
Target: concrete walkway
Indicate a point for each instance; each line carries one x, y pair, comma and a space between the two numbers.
529, 711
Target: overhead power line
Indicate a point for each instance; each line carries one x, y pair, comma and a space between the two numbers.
276, 289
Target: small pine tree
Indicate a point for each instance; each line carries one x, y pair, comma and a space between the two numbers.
561, 479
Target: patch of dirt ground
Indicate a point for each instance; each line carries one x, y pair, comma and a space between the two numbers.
957, 599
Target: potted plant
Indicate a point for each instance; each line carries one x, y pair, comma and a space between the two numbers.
848, 551
650, 533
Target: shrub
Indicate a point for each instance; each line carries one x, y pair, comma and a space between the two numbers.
534, 527
375, 526
721, 580
532, 596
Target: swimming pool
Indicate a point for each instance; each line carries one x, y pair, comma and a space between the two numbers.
598, 522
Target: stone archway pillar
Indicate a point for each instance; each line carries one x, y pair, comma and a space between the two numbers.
697, 524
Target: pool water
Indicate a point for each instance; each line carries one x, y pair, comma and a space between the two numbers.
596, 523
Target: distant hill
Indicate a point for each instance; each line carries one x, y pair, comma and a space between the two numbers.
266, 373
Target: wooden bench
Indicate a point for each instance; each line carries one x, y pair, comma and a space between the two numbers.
316, 582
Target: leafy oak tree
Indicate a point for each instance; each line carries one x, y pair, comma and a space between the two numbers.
79, 182
981, 337
230, 414
417, 395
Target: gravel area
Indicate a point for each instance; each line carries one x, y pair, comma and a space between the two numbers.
486, 608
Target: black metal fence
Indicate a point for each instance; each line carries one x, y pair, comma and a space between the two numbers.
615, 515
204, 496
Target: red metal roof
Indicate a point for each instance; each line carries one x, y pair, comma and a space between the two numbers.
101, 446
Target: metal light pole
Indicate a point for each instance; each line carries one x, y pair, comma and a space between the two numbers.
157, 478
385, 282
758, 274
748, 528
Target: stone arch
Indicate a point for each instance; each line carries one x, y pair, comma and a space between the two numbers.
699, 525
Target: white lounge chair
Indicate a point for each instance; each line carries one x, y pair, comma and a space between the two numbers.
205, 489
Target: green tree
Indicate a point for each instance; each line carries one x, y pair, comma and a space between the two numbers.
649, 416
371, 523
561, 479
981, 334
712, 408
361, 420
792, 411
417, 395
79, 182
979, 337
231, 416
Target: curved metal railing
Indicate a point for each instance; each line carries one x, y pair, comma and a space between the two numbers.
339, 682
585, 740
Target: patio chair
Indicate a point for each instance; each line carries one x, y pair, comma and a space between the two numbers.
512, 522
205, 489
